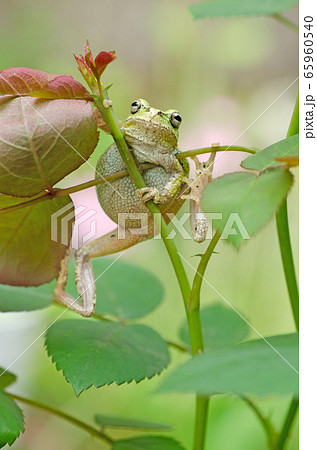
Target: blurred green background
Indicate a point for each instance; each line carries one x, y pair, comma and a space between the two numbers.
221, 75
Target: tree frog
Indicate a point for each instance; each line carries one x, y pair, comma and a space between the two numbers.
152, 137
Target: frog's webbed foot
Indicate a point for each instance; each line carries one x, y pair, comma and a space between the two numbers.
149, 193
199, 225
112, 242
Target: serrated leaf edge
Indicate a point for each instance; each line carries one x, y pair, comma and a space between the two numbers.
78, 392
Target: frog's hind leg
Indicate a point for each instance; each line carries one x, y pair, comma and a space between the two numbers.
85, 281
113, 242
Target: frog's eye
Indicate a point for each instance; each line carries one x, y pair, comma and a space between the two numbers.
176, 119
135, 106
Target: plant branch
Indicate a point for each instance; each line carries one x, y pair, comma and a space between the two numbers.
100, 180
44, 196
193, 317
287, 259
194, 299
294, 123
267, 425
202, 403
284, 236
287, 424
285, 22
290, 275
202, 407
79, 423
214, 148
177, 346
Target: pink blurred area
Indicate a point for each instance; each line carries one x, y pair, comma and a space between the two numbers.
97, 224
218, 121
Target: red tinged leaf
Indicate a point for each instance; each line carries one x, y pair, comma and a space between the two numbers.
87, 74
63, 86
34, 240
82, 66
88, 56
21, 80
42, 141
102, 60
290, 161
92, 69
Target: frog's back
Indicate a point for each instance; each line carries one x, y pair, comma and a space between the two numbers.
119, 196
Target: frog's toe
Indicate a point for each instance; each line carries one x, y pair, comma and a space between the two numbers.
191, 196
149, 193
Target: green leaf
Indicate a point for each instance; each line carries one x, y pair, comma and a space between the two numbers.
250, 368
30, 252
246, 201
6, 378
125, 290
98, 353
17, 298
147, 443
118, 422
230, 8
11, 420
266, 158
42, 141
221, 326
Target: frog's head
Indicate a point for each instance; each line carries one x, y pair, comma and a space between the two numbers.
152, 126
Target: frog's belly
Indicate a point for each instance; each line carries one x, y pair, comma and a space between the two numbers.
119, 196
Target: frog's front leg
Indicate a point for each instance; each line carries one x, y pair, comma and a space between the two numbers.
169, 191
84, 276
